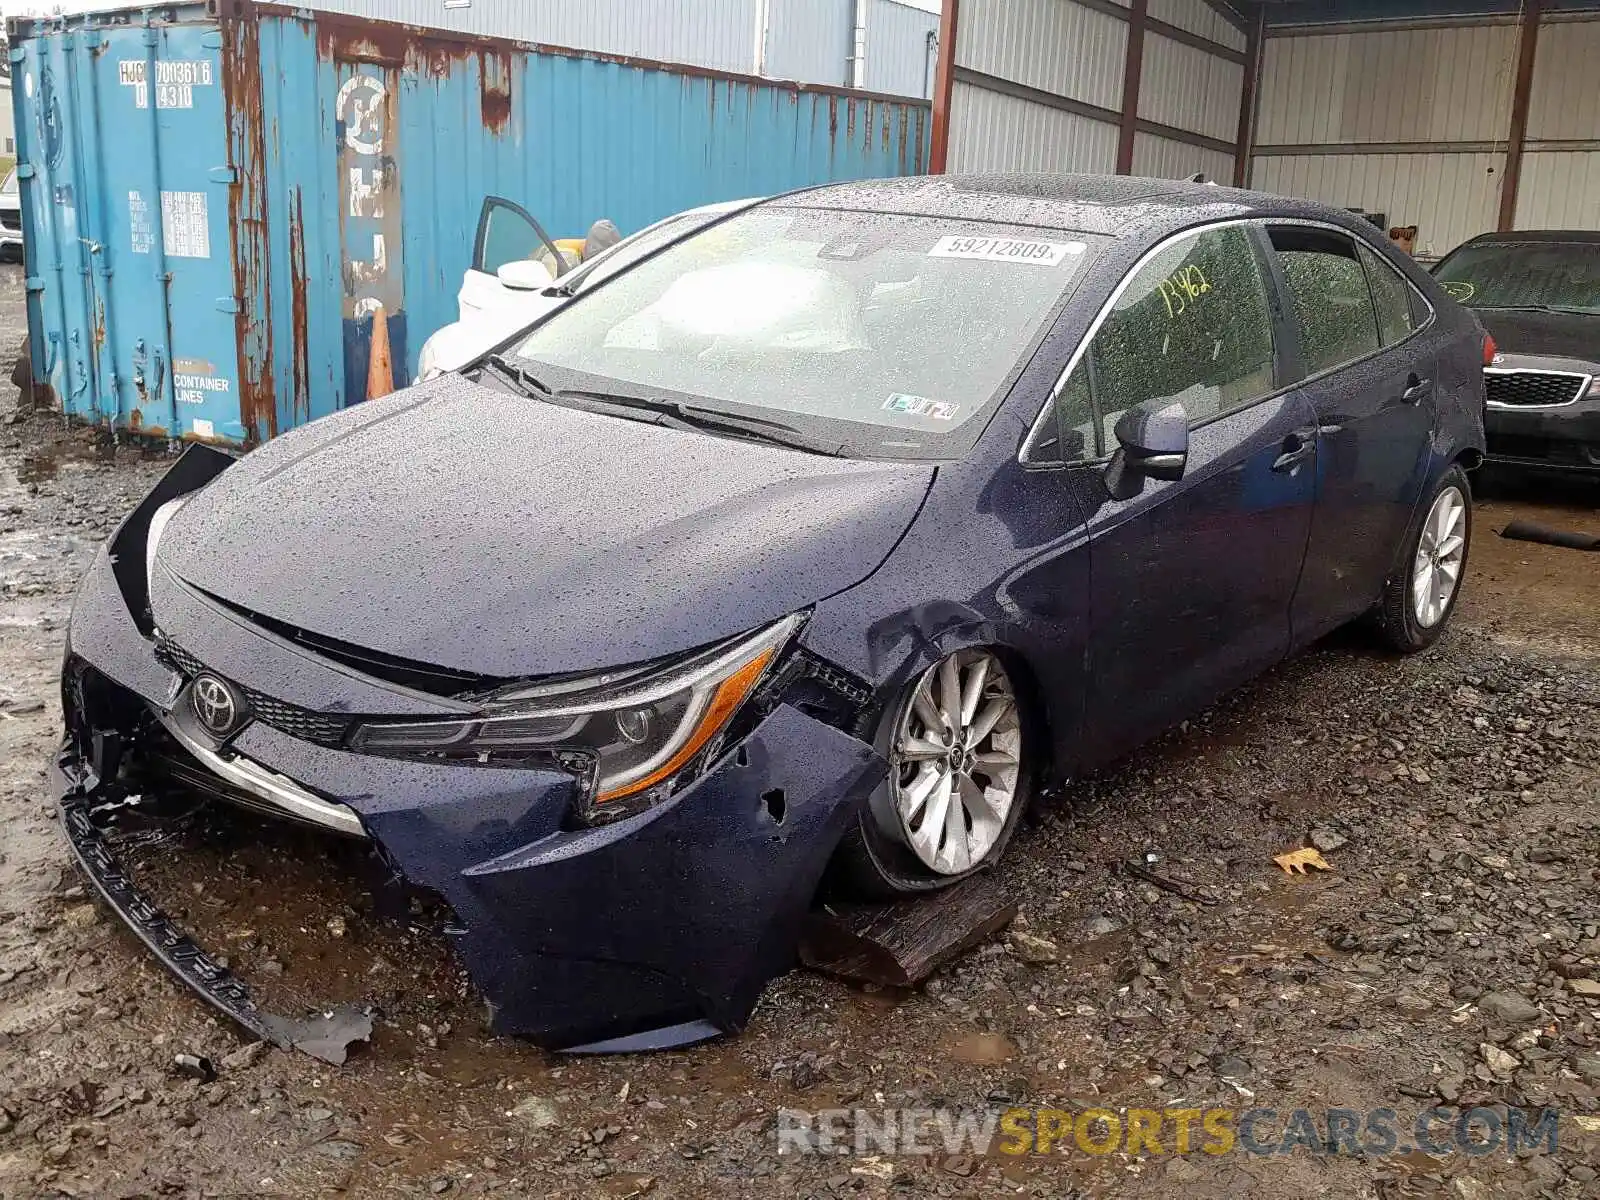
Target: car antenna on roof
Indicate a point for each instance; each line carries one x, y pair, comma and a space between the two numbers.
1200, 177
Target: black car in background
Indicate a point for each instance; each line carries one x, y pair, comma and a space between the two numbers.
1538, 295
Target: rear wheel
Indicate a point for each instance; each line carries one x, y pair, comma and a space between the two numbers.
960, 775
1421, 593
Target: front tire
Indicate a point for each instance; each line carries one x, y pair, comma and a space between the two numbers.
1421, 593
961, 772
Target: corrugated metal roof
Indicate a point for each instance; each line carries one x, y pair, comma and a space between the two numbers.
1559, 190
1449, 197
1565, 102
1163, 158
1198, 17
1054, 45
1003, 133
1414, 85
1186, 87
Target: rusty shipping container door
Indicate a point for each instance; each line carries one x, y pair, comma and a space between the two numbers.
219, 197
126, 180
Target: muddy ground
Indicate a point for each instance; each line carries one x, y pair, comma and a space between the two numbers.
1452, 955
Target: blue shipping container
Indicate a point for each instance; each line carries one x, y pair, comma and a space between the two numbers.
217, 196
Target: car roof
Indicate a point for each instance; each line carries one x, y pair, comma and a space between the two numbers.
1111, 205
1512, 236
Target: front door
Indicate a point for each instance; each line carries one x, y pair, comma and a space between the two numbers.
1191, 580
1370, 376
507, 233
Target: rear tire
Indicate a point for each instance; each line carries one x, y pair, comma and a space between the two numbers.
1420, 595
901, 845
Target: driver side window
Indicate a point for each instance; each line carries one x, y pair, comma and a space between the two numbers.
1192, 326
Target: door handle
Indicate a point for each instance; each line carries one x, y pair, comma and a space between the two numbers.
1297, 447
1416, 388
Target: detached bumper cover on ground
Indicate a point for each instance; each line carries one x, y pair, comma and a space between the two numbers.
654, 930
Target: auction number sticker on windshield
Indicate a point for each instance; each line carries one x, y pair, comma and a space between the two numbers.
920, 406
1014, 250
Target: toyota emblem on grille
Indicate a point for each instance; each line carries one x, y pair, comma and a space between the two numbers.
217, 705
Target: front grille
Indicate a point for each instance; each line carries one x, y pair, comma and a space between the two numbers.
1532, 389
297, 722
303, 723
11, 221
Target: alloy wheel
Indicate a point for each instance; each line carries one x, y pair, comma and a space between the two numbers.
956, 761
1441, 551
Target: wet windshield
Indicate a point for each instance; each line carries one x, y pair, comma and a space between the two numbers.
641, 245
1563, 275
887, 335
9, 187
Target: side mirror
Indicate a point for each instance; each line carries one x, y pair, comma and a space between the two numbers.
525, 275
1153, 443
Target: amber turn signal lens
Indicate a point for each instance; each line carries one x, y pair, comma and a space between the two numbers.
725, 701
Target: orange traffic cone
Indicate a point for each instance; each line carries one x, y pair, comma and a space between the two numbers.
380, 367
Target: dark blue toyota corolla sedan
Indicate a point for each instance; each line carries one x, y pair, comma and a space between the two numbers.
815, 542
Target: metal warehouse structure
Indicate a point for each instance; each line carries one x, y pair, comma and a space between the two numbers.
1457, 118
883, 46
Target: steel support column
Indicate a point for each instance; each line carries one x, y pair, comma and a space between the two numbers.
1132, 68
1244, 145
943, 82
1516, 138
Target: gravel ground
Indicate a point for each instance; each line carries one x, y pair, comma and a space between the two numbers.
1451, 956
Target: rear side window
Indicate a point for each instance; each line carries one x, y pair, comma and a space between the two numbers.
1192, 326
1329, 295
1391, 297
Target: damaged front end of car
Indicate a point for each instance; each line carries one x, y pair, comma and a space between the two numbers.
628, 857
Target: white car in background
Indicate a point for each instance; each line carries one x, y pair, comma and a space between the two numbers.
510, 284
10, 217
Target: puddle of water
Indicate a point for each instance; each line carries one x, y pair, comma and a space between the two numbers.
981, 1049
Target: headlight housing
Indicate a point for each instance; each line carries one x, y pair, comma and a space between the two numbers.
637, 731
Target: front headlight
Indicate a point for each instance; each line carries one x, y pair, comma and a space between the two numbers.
638, 730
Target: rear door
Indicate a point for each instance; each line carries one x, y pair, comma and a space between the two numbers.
1192, 580
1368, 364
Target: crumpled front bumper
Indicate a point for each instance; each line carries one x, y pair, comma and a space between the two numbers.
656, 930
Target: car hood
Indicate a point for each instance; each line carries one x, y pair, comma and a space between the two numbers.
1561, 335
460, 527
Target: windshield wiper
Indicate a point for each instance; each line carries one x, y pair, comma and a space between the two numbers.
1554, 308
683, 416
518, 376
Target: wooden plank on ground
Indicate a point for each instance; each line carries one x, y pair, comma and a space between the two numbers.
902, 944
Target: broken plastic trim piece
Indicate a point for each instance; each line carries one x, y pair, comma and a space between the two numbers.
326, 1036
671, 1037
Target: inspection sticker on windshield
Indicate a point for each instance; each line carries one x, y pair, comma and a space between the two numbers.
1038, 254
920, 406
